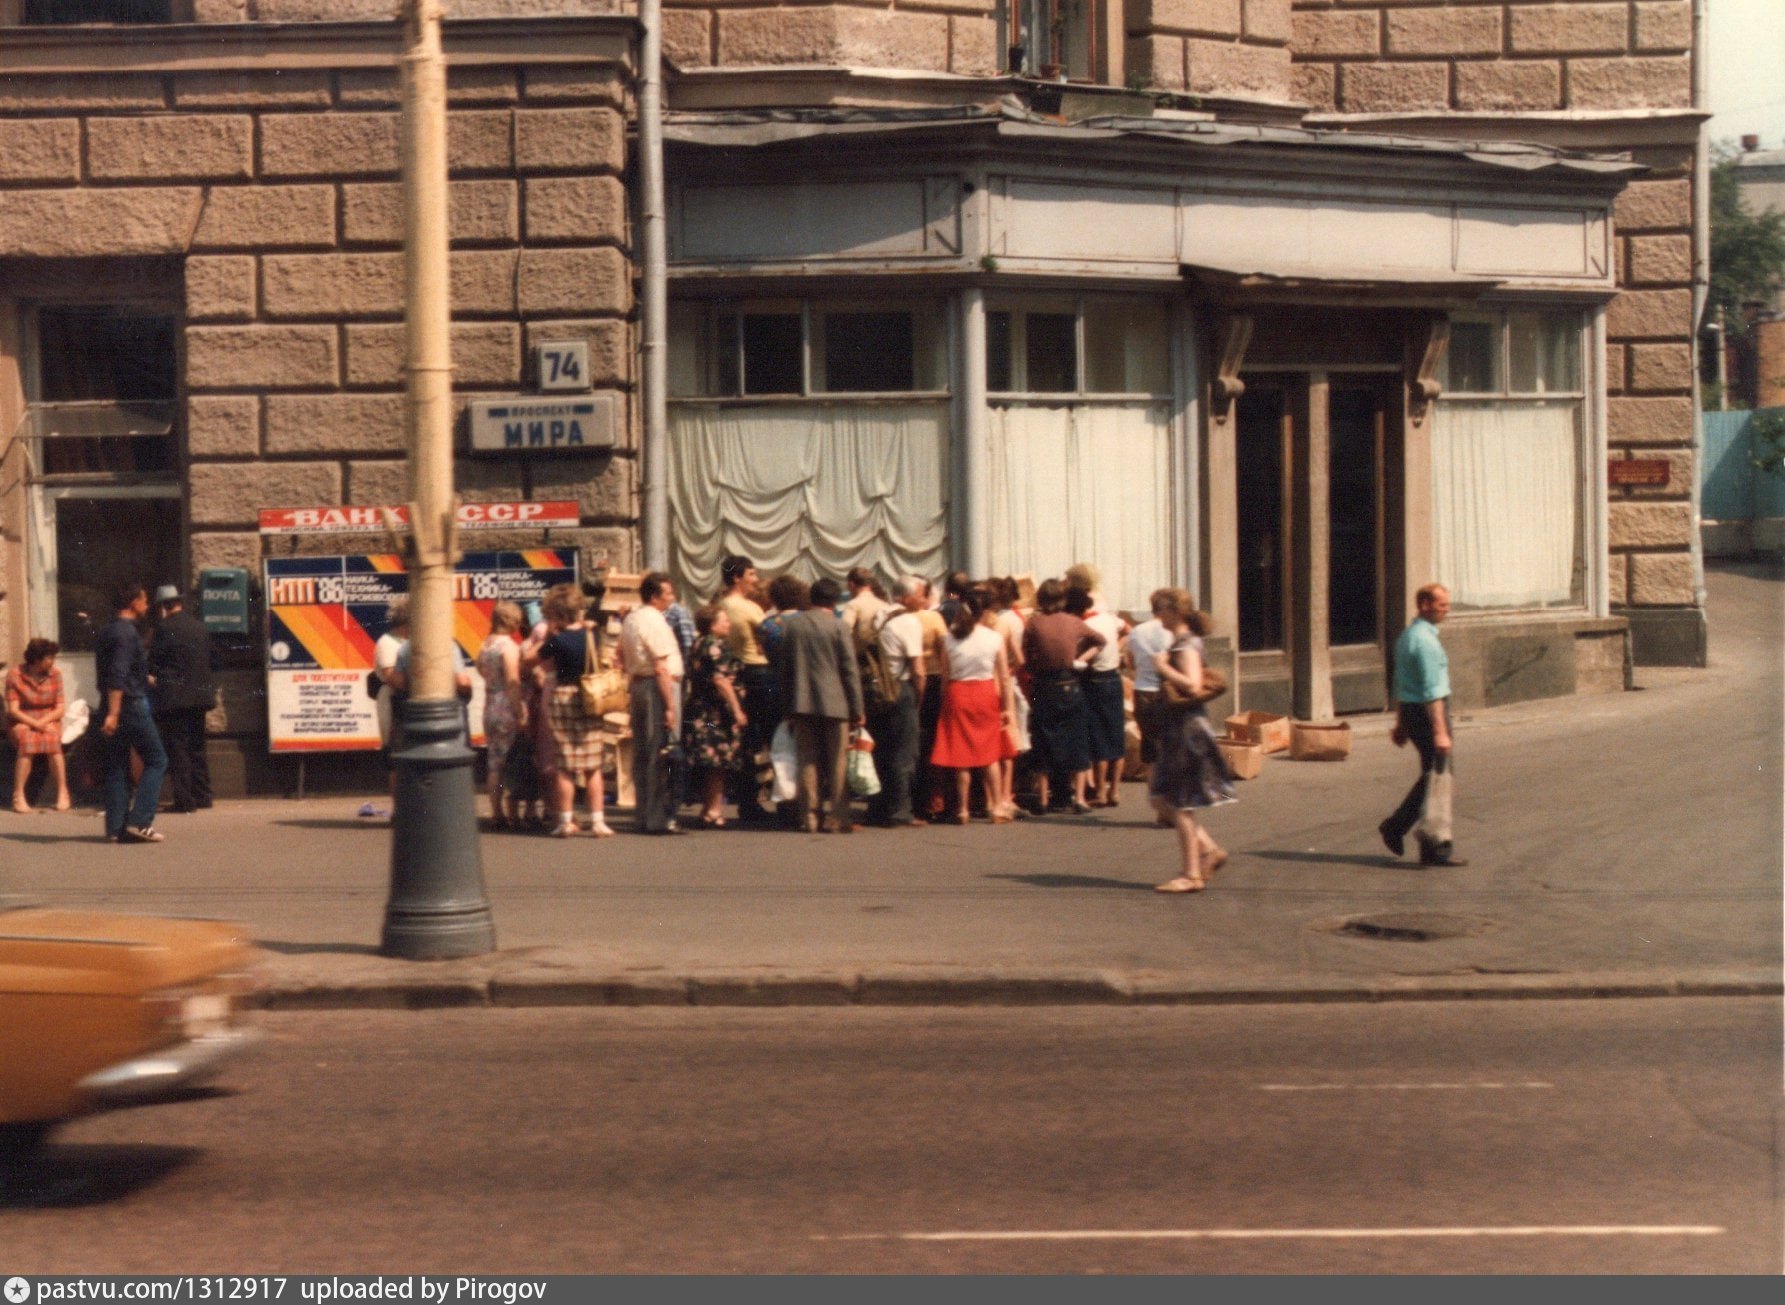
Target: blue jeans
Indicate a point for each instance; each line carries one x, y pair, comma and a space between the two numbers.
136, 730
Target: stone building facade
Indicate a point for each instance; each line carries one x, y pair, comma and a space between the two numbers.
1228, 238
204, 222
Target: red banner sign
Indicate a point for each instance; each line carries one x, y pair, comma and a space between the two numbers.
362, 520
1644, 473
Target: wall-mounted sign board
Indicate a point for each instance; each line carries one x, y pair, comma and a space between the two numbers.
1640, 473
531, 424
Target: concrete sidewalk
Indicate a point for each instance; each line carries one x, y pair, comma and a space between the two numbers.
1620, 845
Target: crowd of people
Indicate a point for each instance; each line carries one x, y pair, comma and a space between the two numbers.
788, 702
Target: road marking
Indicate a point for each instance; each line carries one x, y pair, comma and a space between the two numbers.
1405, 1087
1284, 1234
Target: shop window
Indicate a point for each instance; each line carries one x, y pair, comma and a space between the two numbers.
1506, 462
806, 350
53, 12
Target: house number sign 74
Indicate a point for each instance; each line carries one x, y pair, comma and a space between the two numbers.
562, 366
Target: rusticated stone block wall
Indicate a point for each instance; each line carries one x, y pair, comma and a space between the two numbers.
278, 194
1397, 56
1220, 48
1649, 366
954, 36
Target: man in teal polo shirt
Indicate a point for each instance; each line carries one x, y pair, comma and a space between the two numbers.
1422, 695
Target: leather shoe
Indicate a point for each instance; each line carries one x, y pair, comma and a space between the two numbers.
1444, 860
1394, 842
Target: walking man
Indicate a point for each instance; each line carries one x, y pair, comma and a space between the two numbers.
653, 661
183, 694
822, 691
1422, 695
123, 669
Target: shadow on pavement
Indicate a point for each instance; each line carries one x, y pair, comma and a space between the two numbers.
316, 949
70, 1176
379, 823
1335, 858
1074, 881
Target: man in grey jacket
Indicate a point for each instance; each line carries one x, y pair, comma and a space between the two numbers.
822, 693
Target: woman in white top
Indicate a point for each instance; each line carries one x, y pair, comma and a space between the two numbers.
976, 707
1106, 704
1003, 617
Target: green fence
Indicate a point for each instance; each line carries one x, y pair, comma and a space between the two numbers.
1733, 488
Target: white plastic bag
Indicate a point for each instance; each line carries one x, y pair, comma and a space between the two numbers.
864, 780
784, 757
75, 716
1434, 817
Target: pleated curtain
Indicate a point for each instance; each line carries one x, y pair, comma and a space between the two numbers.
811, 488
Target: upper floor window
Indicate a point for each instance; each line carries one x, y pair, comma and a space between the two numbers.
47, 12
1056, 39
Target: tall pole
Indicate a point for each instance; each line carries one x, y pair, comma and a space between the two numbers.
654, 356
437, 906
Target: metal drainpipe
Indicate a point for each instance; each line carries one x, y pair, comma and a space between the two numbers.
976, 558
1701, 287
653, 346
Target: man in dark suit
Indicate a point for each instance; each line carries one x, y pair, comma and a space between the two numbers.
182, 693
822, 693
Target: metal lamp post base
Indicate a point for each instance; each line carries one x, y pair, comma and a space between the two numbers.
437, 908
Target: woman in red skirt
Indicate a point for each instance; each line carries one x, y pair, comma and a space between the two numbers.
973, 730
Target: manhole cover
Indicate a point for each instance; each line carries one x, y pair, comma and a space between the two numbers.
1410, 926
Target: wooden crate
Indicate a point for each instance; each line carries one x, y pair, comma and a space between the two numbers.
1245, 760
1269, 731
1320, 741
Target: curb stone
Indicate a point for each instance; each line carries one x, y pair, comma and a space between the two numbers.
388, 987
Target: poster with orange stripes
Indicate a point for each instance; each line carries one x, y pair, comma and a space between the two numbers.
325, 616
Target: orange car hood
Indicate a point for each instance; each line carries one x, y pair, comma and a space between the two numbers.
96, 952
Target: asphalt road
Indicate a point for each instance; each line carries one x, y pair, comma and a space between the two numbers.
1537, 1137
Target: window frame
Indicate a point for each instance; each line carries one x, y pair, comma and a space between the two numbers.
709, 363
1586, 402
1048, 305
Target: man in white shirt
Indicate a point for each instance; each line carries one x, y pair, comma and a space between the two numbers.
652, 658
896, 726
1145, 642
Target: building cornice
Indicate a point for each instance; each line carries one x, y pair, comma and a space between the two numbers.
273, 47
1591, 129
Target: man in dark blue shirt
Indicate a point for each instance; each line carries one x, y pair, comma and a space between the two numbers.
123, 667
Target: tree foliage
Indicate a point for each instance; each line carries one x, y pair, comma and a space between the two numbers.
1747, 248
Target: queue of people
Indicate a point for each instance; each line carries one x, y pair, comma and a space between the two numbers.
967, 707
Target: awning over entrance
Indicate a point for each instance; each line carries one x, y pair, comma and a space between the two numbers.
1252, 283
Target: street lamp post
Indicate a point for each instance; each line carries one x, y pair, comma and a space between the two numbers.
437, 905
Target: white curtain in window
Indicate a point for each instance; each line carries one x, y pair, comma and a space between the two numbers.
1504, 493
1084, 483
809, 488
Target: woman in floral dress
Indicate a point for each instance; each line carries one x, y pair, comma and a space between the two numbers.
713, 716
34, 708
504, 711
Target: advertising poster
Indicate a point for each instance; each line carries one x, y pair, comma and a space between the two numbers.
325, 614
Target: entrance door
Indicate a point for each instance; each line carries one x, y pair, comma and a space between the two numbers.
1310, 459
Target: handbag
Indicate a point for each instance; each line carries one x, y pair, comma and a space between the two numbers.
602, 688
785, 760
1214, 684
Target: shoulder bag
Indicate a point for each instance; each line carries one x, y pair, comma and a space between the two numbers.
1214, 684
602, 688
